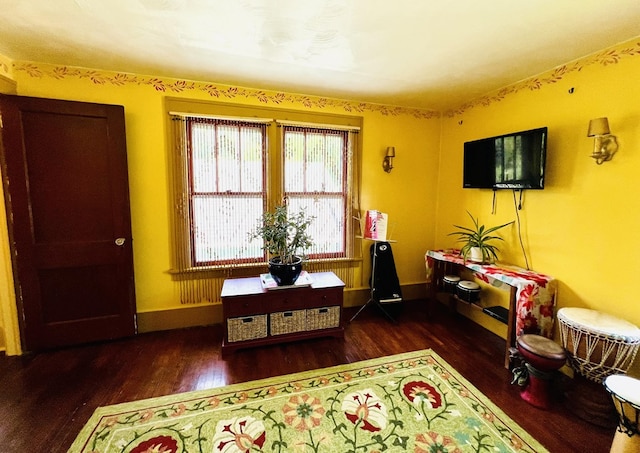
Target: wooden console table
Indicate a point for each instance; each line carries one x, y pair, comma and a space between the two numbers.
532, 295
254, 316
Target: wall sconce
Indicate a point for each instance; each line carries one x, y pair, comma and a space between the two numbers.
387, 163
605, 145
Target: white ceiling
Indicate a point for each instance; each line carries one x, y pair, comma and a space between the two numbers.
416, 53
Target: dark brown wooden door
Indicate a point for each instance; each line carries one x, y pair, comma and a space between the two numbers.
64, 167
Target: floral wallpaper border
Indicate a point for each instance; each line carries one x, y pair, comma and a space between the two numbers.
606, 57
220, 91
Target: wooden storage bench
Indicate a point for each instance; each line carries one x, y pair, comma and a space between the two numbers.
254, 316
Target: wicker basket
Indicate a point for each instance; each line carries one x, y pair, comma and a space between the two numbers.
323, 318
247, 328
282, 322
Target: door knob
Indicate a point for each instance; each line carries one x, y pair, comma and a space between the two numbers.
120, 242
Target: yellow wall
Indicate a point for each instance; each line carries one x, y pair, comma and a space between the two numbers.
411, 184
583, 227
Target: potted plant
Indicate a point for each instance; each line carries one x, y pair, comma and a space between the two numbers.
477, 241
285, 238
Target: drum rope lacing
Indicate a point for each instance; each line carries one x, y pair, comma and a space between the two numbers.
625, 352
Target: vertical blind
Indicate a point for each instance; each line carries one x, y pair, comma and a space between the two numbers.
222, 192
315, 180
219, 179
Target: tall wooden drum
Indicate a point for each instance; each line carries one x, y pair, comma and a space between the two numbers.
598, 345
625, 392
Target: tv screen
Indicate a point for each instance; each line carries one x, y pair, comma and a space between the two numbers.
510, 161
477, 172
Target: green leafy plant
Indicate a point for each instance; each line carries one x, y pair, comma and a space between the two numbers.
479, 236
284, 235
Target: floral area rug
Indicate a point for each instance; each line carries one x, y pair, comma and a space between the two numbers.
413, 402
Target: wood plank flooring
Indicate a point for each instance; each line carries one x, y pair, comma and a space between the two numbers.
46, 398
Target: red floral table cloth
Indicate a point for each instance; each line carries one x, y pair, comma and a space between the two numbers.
535, 292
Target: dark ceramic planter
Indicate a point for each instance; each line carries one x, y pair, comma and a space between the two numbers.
285, 274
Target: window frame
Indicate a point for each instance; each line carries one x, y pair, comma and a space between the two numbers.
273, 174
343, 194
217, 193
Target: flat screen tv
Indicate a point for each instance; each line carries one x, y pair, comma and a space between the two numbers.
510, 161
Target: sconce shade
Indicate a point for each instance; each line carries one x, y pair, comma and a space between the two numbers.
598, 126
387, 162
605, 145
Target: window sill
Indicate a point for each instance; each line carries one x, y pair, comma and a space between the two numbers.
249, 269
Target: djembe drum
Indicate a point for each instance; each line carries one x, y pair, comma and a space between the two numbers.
598, 345
543, 358
625, 393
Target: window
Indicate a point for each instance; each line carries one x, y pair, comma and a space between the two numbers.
227, 172
315, 179
226, 187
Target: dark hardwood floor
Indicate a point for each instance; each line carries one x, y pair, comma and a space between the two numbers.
46, 398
